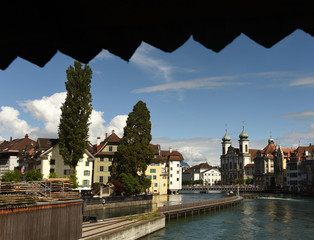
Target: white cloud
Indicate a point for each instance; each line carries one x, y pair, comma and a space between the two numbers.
157, 66
47, 110
202, 83
300, 115
194, 150
303, 82
98, 129
296, 137
11, 124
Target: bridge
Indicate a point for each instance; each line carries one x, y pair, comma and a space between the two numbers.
224, 188
185, 209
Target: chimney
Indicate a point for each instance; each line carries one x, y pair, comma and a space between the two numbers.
112, 131
10, 139
106, 135
98, 141
26, 135
170, 149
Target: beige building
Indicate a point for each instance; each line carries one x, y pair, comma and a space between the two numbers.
49, 160
104, 153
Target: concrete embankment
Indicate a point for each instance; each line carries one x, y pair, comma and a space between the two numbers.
130, 227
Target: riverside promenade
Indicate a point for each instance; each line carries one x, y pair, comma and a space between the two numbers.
185, 209
137, 226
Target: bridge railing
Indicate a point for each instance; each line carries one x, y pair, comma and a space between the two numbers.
197, 204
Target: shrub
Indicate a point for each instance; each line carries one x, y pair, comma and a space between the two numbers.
33, 175
11, 175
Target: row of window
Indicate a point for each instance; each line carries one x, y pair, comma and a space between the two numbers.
102, 168
102, 159
67, 172
101, 179
53, 162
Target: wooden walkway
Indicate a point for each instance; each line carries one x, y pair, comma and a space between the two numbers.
226, 188
185, 209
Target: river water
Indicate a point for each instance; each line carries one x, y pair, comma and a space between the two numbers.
268, 217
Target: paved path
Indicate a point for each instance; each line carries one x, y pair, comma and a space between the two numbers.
107, 225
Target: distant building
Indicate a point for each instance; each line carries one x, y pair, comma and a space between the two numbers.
211, 177
236, 162
105, 153
49, 160
165, 171
195, 173
15, 153
300, 169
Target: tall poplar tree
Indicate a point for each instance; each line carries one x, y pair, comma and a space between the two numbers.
134, 152
76, 110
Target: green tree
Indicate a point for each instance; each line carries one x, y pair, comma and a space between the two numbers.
249, 181
11, 175
34, 175
238, 181
134, 152
53, 175
76, 110
131, 183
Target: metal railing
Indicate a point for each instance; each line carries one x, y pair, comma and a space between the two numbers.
199, 204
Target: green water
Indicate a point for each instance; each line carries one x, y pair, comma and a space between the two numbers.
269, 217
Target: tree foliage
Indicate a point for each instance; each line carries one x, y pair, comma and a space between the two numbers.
12, 176
249, 181
118, 187
34, 175
134, 152
131, 183
53, 175
238, 181
76, 110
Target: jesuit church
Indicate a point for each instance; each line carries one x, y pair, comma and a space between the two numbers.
236, 162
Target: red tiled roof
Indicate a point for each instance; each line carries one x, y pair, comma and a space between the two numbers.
249, 165
18, 145
270, 148
202, 165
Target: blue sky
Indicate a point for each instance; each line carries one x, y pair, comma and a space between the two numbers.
193, 94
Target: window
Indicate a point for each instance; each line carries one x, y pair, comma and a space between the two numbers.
110, 168
52, 161
101, 159
230, 165
110, 159
178, 172
109, 179
170, 175
155, 184
170, 183
170, 168
178, 165
246, 148
87, 163
152, 170
177, 179
154, 177
149, 176
164, 184
101, 168
101, 179
110, 148
86, 173
85, 182
52, 170
66, 172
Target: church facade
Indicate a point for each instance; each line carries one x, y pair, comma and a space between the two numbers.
234, 161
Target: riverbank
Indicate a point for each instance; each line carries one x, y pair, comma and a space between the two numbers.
127, 227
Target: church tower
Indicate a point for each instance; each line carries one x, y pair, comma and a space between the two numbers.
243, 142
226, 143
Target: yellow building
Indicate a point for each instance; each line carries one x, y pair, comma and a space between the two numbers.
104, 153
159, 178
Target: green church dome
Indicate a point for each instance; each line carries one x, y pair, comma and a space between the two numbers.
226, 137
243, 134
